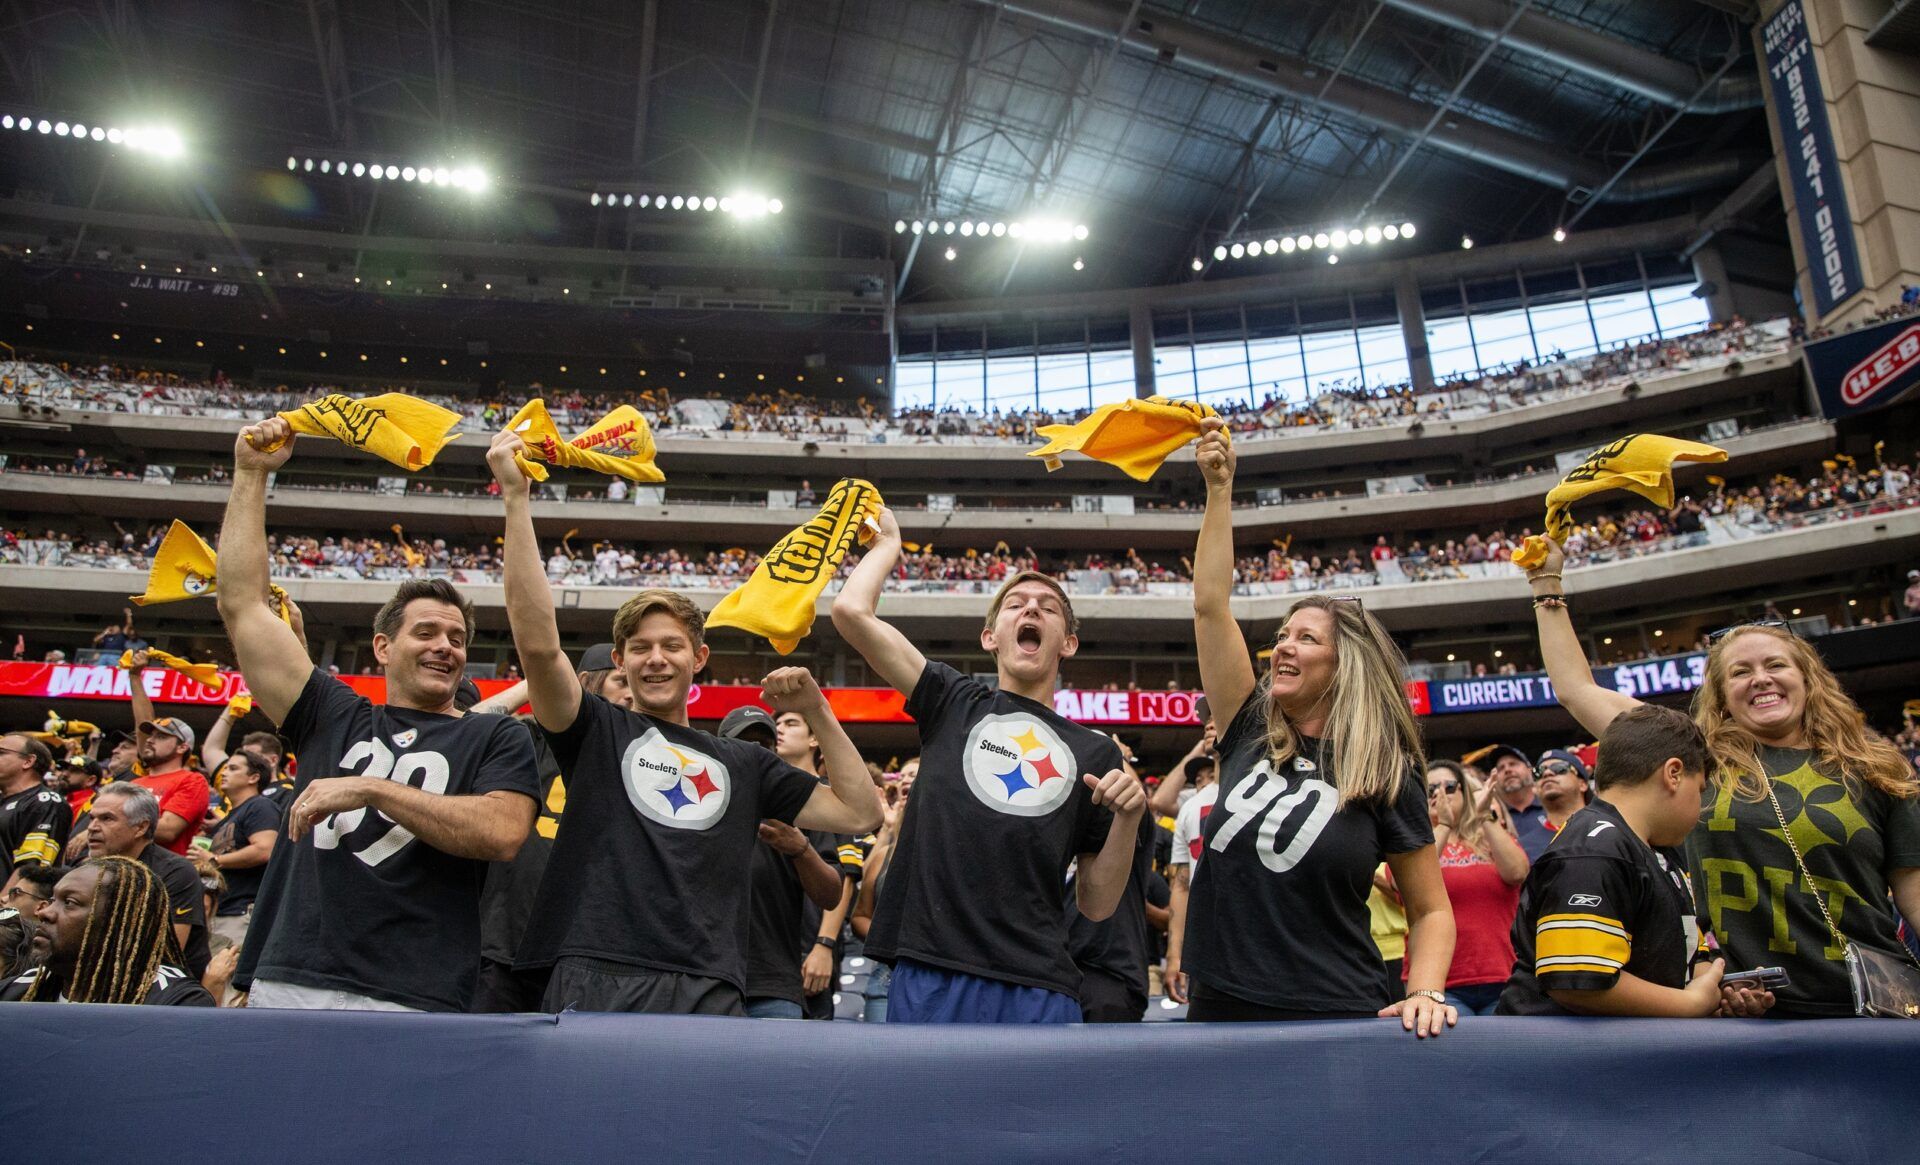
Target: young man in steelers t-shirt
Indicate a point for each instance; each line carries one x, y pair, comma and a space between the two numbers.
1009, 795
644, 904
371, 900
1606, 923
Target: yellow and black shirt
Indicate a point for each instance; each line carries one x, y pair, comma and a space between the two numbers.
1598, 902
33, 827
1760, 906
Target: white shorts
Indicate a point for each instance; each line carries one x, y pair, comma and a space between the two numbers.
292, 996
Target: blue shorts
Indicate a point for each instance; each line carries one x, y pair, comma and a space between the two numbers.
924, 994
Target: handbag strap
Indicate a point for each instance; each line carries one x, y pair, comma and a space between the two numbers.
1802, 863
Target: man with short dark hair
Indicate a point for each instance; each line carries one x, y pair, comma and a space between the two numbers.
644, 906
243, 842
1562, 782
372, 898
1607, 923
30, 886
34, 819
1010, 794
124, 815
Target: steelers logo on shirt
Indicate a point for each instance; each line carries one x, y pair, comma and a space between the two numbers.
674, 785
1017, 764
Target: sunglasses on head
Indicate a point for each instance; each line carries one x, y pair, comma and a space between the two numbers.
1776, 624
1354, 599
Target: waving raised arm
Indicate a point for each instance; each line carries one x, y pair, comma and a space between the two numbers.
856, 613
1573, 684
1226, 669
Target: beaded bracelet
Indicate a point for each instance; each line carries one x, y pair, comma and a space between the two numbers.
1559, 601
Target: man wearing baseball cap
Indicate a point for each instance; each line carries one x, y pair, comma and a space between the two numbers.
1511, 774
164, 745
1564, 790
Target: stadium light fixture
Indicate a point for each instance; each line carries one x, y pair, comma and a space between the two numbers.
951, 254
1199, 264
1079, 265
1466, 242
1559, 234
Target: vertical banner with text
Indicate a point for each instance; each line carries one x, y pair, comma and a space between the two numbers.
1813, 167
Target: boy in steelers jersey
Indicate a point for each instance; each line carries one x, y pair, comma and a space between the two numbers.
1009, 795
1606, 923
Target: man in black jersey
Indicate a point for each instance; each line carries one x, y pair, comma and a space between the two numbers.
1606, 924
644, 906
372, 901
34, 819
1009, 795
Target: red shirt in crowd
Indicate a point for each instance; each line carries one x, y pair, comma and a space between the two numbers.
1483, 910
185, 793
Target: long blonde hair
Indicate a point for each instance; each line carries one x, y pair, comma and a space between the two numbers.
1370, 726
1836, 729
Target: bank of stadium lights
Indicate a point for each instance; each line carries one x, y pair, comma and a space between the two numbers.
741, 206
161, 141
469, 178
1031, 230
1334, 239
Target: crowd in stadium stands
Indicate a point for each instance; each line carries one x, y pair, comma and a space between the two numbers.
1781, 502
1342, 405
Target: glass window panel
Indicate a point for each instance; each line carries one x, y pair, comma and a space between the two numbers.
1277, 370
1562, 329
1623, 319
1010, 382
1063, 382
913, 384
1221, 374
1112, 377
1502, 338
960, 383
1681, 311
1385, 354
1331, 358
1450, 348
1173, 370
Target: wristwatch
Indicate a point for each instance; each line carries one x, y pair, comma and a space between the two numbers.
1436, 996
822, 940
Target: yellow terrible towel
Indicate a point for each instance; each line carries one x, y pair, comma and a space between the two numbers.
206, 673
619, 444
58, 725
1136, 435
1642, 463
402, 429
184, 568
777, 601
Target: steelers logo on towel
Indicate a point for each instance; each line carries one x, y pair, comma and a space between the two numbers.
1018, 765
196, 584
674, 785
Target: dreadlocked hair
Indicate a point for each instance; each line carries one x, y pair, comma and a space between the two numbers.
128, 936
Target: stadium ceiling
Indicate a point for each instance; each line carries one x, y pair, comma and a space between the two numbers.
1166, 128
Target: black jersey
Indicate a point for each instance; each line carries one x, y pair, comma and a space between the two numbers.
361, 905
784, 920
257, 814
1278, 915
650, 866
34, 824
506, 902
186, 902
1121, 945
172, 987
1601, 901
997, 815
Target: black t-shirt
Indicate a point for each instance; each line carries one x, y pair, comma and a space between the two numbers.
650, 865
506, 902
1121, 945
998, 813
255, 815
187, 904
1598, 902
1278, 915
360, 904
784, 921
33, 827
280, 793
172, 987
